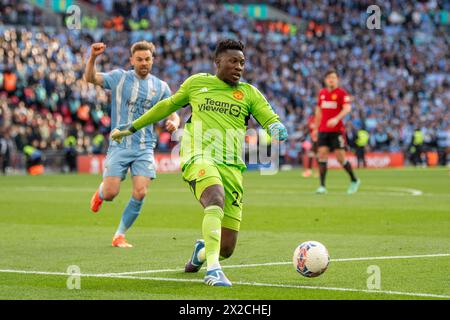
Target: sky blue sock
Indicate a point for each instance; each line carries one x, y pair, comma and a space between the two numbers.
130, 214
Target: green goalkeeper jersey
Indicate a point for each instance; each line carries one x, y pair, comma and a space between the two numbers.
220, 113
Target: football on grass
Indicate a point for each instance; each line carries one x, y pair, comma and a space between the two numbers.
311, 259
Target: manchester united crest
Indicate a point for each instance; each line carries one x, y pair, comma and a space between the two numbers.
239, 95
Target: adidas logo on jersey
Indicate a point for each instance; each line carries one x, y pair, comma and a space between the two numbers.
204, 89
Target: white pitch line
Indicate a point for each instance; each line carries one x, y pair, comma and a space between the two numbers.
398, 191
413, 192
146, 271
92, 275
413, 294
290, 262
435, 255
254, 284
49, 273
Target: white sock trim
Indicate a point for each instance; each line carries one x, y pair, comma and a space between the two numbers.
214, 266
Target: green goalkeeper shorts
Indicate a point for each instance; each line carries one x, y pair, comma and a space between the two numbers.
204, 173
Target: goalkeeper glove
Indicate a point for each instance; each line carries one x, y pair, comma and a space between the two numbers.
278, 130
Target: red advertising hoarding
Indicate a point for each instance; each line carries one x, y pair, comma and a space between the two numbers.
373, 160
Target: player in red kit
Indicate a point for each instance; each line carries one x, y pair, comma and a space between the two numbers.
333, 105
310, 147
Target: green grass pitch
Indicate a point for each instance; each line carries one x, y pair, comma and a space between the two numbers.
401, 215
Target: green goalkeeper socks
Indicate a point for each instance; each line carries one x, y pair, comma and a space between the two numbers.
212, 229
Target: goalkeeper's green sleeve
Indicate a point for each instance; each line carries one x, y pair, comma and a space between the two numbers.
161, 110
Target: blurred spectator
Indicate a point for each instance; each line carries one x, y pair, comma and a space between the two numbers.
292, 155
380, 139
164, 141
443, 144
361, 142
6, 150
416, 148
9, 81
19, 12
70, 153
34, 159
98, 144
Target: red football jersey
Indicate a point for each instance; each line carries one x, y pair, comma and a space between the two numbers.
331, 102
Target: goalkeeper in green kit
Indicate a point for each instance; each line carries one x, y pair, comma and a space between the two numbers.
211, 149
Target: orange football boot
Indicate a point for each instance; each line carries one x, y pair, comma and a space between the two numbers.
120, 241
96, 202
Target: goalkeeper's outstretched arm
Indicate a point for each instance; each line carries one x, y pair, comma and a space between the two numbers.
160, 111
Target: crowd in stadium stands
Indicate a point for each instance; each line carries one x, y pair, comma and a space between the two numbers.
398, 77
19, 12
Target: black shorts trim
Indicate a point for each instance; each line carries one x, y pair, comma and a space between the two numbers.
332, 140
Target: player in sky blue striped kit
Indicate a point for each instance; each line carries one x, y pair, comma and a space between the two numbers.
133, 92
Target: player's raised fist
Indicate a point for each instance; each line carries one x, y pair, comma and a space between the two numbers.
97, 49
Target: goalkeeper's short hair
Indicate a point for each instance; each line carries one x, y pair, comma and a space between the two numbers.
228, 44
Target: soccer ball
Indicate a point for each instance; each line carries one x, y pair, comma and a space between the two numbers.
311, 259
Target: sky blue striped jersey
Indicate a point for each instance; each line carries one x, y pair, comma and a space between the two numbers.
131, 97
